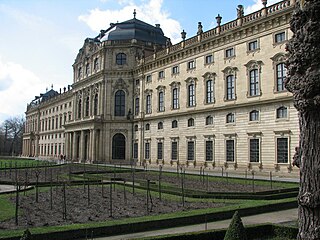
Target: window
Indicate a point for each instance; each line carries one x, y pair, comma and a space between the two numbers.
175, 70
230, 94
209, 91
161, 74
121, 59
254, 150
175, 98
147, 150
96, 64
282, 150
160, 125
119, 103
118, 146
136, 128
137, 106
229, 52
254, 83
209, 59
174, 150
190, 150
161, 102
209, 150
191, 64
160, 151
87, 106
79, 109
209, 120
190, 122
80, 72
95, 104
254, 115
282, 112
191, 95
253, 45
148, 126
230, 150
135, 150
230, 118
149, 78
87, 69
137, 82
279, 37
281, 76
148, 104
174, 124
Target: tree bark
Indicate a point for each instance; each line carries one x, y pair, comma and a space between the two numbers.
304, 82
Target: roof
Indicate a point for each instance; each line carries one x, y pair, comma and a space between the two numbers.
139, 30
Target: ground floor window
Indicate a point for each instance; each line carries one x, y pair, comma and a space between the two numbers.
282, 150
230, 150
209, 150
174, 150
160, 150
254, 150
118, 146
135, 150
147, 150
190, 150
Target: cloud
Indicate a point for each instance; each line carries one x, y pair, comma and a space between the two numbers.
17, 88
149, 11
257, 6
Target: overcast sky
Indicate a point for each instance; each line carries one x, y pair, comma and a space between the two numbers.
40, 38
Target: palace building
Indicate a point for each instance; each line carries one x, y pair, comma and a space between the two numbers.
217, 99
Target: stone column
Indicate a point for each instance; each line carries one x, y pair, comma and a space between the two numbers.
93, 149
89, 152
74, 147
66, 144
82, 147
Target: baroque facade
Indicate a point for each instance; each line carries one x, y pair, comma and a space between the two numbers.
216, 99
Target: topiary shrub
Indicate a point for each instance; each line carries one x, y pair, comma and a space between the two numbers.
26, 235
236, 230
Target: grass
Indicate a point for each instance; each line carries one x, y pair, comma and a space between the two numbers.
22, 163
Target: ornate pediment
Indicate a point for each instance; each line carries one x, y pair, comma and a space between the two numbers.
89, 47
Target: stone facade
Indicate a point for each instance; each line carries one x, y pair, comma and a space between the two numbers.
216, 99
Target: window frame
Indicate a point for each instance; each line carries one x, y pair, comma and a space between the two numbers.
121, 59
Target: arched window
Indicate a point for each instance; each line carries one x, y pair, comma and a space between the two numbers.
230, 118
88, 69
209, 120
160, 125
174, 124
282, 112
147, 126
254, 115
79, 72
118, 147
119, 103
135, 128
121, 59
79, 108
87, 106
95, 104
96, 64
190, 122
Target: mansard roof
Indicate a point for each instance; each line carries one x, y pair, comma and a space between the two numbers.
139, 30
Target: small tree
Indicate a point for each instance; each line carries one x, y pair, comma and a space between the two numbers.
236, 230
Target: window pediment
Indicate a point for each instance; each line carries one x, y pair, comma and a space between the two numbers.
279, 57
209, 75
230, 70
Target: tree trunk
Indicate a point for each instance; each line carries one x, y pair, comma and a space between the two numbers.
304, 82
